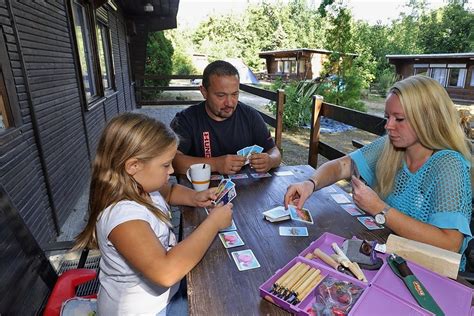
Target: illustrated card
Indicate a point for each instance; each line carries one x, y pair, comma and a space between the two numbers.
293, 231
284, 173
277, 212
354, 170
300, 214
255, 149
330, 189
216, 177
238, 176
369, 222
245, 260
340, 198
227, 196
224, 186
232, 227
231, 239
352, 209
260, 175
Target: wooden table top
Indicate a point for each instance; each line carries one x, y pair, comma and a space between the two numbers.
217, 287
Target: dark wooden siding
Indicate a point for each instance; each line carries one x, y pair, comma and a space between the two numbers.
45, 160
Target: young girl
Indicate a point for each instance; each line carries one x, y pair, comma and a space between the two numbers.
141, 264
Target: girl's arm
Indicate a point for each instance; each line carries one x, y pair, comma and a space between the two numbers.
138, 244
177, 194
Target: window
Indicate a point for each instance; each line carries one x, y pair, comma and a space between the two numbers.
472, 78
293, 67
439, 74
457, 77
279, 66
10, 115
106, 65
421, 69
94, 50
4, 116
302, 69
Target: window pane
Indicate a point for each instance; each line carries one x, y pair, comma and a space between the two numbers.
302, 67
3, 118
279, 66
472, 78
456, 77
82, 30
293, 67
286, 65
421, 71
439, 74
3, 104
102, 44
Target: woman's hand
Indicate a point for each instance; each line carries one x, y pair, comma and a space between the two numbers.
366, 198
205, 198
298, 193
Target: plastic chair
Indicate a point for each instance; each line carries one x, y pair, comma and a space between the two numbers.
65, 288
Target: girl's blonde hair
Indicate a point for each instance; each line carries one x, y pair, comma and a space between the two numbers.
127, 136
432, 114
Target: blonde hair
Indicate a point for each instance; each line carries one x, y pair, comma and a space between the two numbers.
433, 117
127, 136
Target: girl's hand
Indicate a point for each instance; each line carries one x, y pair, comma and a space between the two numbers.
205, 198
366, 198
298, 193
221, 215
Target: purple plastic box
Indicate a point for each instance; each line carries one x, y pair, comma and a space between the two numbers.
384, 294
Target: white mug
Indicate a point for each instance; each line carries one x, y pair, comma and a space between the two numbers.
200, 176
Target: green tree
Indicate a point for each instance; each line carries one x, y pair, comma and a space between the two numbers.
159, 51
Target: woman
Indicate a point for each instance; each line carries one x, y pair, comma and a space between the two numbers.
418, 176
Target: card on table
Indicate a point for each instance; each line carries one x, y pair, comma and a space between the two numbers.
277, 212
245, 260
260, 175
329, 189
231, 239
284, 173
352, 209
216, 177
369, 222
293, 231
340, 198
238, 176
302, 214
230, 228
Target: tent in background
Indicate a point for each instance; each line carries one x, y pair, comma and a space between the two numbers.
246, 75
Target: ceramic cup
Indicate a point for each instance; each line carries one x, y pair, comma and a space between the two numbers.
200, 176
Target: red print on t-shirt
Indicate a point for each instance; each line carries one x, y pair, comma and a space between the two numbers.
206, 142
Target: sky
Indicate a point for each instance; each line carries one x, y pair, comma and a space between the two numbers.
191, 12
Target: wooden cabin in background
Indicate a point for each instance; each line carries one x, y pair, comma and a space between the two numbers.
296, 64
66, 68
454, 71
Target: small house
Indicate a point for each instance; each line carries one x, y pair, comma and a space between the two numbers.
454, 71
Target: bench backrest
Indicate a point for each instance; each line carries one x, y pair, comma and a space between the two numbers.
360, 120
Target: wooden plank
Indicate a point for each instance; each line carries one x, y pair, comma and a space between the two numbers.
165, 77
268, 119
315, 130
270, 95
168, 102
168, 88
279, 117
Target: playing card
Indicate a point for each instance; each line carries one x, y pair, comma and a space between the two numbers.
260, 175
227, 196
369, 222
231, 239
293, 231
255, 149
245, 260
238, 176
352, 209
284, 173
224, 186
277, 212
230, 228
216, 177
302, 215
330, 189
354, 170
340, 198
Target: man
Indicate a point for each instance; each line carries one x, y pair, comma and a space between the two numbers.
214, 130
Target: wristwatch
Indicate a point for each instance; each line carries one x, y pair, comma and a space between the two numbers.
380, 217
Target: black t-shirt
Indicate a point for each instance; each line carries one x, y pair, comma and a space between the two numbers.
201, 136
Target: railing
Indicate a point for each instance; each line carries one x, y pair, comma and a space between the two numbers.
278, 97
361, 120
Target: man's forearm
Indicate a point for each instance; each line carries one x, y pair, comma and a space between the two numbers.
275, 157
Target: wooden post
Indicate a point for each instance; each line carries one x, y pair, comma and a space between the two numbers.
315, 130
138, 92
279, 117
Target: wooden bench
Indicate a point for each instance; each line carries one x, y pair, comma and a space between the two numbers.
360, 120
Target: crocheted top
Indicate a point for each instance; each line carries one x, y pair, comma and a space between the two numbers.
438, 193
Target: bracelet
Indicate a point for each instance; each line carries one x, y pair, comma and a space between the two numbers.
313, 182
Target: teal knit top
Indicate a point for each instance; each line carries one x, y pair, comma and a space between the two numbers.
439, 193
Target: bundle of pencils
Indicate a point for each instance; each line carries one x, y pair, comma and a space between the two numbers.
296, 283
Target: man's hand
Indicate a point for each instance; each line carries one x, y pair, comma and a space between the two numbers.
261, 162
229, 164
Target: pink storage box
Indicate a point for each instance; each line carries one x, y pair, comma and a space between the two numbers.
384, 294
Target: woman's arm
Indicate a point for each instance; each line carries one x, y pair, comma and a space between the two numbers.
329, 173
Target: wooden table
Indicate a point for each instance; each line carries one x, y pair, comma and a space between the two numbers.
217, 287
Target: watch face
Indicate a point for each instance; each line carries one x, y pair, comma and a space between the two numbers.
380, 219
